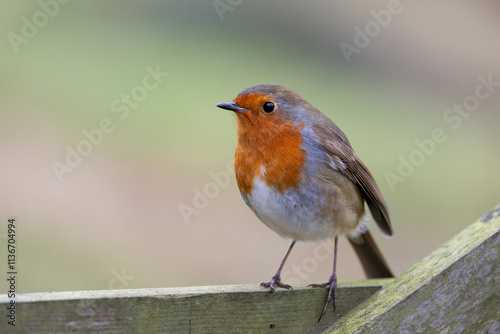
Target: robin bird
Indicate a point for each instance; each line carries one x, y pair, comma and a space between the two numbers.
300, 176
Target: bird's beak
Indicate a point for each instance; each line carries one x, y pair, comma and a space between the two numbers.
233, 106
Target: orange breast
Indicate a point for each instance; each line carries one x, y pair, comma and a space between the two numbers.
269, 146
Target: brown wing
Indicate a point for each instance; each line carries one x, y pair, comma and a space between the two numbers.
338, 147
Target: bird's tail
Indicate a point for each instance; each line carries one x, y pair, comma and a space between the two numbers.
370, 256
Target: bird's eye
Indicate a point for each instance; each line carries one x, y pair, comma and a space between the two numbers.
268, 107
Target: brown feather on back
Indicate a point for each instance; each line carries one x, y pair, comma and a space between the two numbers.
338, 147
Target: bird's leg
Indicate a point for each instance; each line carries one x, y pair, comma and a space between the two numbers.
276, 280
332, 283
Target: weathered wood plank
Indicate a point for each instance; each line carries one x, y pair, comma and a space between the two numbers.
456, 289
221, 309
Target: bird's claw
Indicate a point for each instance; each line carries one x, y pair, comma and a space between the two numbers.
332, 280
275, 282
332, 292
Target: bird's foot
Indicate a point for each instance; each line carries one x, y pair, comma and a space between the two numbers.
332, 280
332, 292
275, 282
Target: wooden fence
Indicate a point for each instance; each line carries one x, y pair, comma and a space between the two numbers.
456, 289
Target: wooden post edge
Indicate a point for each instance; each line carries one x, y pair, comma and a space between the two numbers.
228, 309
454, 289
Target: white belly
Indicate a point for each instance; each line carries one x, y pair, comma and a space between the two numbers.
299, 215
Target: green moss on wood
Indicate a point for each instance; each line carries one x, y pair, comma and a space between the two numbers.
228, 309
457, 288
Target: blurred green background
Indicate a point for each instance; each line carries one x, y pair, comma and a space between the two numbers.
114, 221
